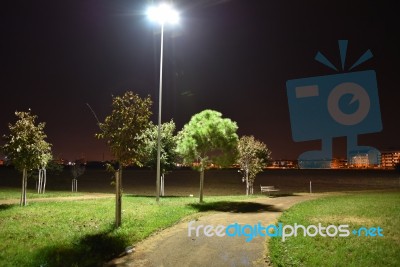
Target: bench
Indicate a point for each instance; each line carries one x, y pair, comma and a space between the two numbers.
268, 189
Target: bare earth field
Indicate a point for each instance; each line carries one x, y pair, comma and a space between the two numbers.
217, 182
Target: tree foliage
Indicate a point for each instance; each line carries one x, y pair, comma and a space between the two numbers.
26, 146
208, 139
77, 170
252, 156
168, 156
122, 129
54, 168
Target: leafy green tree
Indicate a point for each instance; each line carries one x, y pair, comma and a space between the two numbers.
252, 156
122, 129
208, 139
26, 147
168, 156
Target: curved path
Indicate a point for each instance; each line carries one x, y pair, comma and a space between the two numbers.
173, 247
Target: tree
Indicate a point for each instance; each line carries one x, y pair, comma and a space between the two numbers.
252, 156
26, 147
208, 139
40, 175
122, 129
168, 154
76, 170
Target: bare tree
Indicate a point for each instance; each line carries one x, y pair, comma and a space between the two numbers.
76, 171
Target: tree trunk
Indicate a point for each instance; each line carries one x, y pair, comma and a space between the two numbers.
74, 185
24, 183
44, 181
118, 195
201, 183
247, 182
22, 189
162, 184
39, 181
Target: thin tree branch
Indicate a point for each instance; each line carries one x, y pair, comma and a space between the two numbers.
94, 115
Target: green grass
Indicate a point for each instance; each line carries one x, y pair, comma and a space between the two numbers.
13, 193
80, 233
356, 210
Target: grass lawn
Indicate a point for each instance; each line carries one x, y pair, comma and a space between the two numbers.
80, 233
357, 210
13, 193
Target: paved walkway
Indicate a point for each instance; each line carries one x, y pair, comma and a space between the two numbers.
173, 247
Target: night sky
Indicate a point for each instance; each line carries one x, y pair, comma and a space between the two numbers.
231, 56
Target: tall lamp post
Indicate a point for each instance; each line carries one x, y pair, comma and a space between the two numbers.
163, 14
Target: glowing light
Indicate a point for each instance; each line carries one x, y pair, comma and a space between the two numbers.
163, 13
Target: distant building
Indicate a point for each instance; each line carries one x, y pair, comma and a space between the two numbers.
315, 164
359, 160
364, 159
339, 163
390, 158
284, 164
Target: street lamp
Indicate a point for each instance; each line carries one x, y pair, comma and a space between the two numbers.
163, 14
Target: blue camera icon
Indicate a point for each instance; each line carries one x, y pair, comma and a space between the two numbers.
324, 107
334, 105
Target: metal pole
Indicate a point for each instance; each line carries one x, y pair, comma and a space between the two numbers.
159, 118
310, 188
